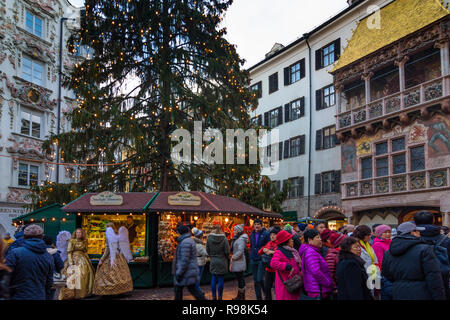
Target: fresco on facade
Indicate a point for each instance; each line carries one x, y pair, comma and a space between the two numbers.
438, 136
364, 144
348, 151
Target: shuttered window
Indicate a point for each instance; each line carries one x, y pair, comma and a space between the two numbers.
273, 82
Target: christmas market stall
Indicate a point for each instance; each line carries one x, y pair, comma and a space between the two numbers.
94, 210
201, 210
151, 219
51, 218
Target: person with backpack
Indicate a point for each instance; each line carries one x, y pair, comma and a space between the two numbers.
266, 254
238, 259
258, 239
432, 235
412, 267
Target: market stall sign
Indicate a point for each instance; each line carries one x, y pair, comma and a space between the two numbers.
184, 199
106, 198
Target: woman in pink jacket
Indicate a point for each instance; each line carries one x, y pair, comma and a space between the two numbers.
316, 274
286, 263
380, 245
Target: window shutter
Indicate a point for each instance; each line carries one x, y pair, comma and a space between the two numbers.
286, 149
336, 140
286, 77
280, 115
319, 59
301, 187
319, 139
280, 150
337, 181
337, 49
319, 99
317, 180
266, 119
302, 144
302, 68
259, 120
302, 106
286, 112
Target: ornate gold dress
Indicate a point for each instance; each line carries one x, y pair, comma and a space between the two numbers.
112, 280
77, 255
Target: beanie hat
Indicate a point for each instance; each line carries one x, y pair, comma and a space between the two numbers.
310, 226
33, 230
302, 226
325, 234
197, 232
336, 238
288, 228
238, 228
381, 229
283, 236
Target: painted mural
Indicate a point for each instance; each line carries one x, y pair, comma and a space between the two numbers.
348, 151
438, 132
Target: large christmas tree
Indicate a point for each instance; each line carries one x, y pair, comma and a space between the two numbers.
158, 66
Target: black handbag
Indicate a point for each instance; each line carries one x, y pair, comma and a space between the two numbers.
294, 284
266, 258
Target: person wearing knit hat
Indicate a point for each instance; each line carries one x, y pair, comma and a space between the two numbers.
201, 254
197, 232
381, 244
332, 256
32, 266
239, 259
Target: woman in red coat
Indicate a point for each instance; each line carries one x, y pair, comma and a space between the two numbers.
332, 259
269, 250
286, 263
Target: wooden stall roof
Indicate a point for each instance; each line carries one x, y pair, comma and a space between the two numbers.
209, 203
132, 202
41, 212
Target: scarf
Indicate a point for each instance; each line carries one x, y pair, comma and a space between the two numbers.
369, 250
295, 254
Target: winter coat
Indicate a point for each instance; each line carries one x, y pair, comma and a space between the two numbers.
264, 237
413, 269
352, 278
185, 267
16, 244
332, 259
280, 261
32, 271
218, 249
316, 274
58, 263
431, 235
271, 245
238, 262
380, 246
5, 277
201, 252
367, 258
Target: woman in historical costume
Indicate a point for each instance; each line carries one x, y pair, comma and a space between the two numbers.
78, 269
113, 274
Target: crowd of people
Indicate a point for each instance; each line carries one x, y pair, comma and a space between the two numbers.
31, 265
299, 262
312, 262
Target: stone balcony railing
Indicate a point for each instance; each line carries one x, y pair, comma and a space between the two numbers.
425, 93
430, 179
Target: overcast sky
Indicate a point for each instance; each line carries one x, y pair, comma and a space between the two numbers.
255, 25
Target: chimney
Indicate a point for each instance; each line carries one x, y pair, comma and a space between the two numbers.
276, 47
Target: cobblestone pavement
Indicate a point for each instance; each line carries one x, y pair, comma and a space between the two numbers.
229, 292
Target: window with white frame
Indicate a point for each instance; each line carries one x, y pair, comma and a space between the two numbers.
30, 123
28, 174
34, 24
33, 71
295, 110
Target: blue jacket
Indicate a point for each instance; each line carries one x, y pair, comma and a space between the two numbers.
264, 237
185, 266
58, 263
32, 271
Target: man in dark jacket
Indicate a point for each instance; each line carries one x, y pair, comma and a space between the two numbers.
432, 235
185, 266
258, 239
32, 267
411, 265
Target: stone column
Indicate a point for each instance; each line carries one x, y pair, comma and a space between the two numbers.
445, 56
446, 219
445, 209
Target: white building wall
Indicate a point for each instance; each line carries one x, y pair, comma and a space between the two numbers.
321, 160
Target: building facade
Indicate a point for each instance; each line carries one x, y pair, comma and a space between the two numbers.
297, 96
393, 115
29, 84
